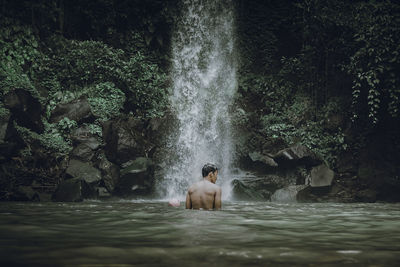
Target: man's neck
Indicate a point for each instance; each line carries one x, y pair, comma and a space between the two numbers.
207, 178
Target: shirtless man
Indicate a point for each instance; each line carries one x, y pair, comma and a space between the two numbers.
205, 194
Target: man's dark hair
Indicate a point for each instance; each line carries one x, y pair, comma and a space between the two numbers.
208, 168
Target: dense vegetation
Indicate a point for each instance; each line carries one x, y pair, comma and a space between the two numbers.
323, 73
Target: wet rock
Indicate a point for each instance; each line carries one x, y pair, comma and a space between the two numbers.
102, 192
44, 197
297, 154
252, 187
287, 194
82, 152
137, 178
321, 176
367, 195
73, 190
83, 135
78, 110
26, 193
265, 159
110, 173
241, 191
305, 195
25, 109
83, 170
125, 139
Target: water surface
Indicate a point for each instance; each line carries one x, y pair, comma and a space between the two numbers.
145, 233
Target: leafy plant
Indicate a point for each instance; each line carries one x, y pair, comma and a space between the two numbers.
52, 139
375, 63
18, 55
105, 100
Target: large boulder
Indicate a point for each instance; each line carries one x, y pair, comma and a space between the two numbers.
125, 139
137, 178
321, 176
297, 154
241, 191
73, 190
83, 135
287, 194
85, 143
83, 170
252, 186
26, 193
264, 159
82, 152
109, 172
78, 110
367, 195
25, 109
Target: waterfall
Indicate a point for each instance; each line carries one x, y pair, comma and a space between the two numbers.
204, 83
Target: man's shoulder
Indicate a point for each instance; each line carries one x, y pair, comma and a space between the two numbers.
215, 187
193, 186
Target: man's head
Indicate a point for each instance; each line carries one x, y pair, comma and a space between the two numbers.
210, 170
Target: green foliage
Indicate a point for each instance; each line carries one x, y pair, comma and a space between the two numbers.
65, 126
52, 139
90, 64
105, 100
95, 129
311, 134
18, 56
265, 91
375, 63
293, 124
3, 111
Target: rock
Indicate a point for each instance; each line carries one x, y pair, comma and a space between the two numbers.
78, 110
256, 187
321, 176
26, 193
137, 178
25, 109
82, 152
83, 135
257, 156
241, 191
367, 195
73, 190
102, 192
125, 139
110, 173
305, 195
287, 194
84, 171
4, 120
297, 153
44, 197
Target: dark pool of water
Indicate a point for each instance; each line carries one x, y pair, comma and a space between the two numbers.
242, 234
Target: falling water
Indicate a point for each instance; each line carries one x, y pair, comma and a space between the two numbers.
204, 82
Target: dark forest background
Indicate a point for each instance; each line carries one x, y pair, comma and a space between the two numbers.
322, 73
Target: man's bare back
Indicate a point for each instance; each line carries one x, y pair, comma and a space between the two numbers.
204, 194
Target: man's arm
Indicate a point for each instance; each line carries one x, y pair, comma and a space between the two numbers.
217, 201
188, 201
